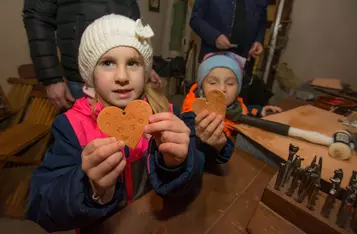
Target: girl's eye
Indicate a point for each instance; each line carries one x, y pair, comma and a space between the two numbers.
108, 63
211, 82
133, 63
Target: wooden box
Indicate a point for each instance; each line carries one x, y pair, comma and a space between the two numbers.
279, 213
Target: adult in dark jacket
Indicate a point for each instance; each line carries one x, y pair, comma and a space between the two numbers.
52, 23
230, 25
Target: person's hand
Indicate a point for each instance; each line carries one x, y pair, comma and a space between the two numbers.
172, 137
103, 162
155, 78
271, 109
222, 42
60, 95
209, 128
256, 49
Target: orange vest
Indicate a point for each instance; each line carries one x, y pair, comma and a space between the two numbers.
191, 96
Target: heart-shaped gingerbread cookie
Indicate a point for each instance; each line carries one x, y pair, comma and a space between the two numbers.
215, 102
125, 125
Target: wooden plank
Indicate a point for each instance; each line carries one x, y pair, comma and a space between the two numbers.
19, 137
14, 189
13, 80
266, 221
308, 118
151, 214
237, 216
327, 83
309, 221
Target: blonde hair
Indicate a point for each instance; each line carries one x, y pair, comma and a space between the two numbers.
156, 98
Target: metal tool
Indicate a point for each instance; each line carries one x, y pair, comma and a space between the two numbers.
313, 162
353, 177
296, 164
354, 221
299, 173
330, 199
292, 151
350, 189
279, 177
337, 178
309, 184
320, 164
346, 211
313, 196
305, 180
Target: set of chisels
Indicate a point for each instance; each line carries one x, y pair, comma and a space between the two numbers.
302, 183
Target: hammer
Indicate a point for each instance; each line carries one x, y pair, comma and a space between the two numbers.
340, 144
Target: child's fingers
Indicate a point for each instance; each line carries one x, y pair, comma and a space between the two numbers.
277, 109
97, 143
112, 177
176, 150
102, 153
211, 128
166, 125
217, 134
173, 137
161, 117
105, 167
206, 121
201, 116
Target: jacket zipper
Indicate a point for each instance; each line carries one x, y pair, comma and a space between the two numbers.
126, 155
233, 18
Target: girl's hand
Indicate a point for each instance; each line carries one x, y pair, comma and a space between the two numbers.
209, 128
172, 137
273, 109
103, 162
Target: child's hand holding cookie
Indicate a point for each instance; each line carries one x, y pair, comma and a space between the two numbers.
103, 162
209, 128
172, 137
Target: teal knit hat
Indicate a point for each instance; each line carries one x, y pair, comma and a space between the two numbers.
226, 60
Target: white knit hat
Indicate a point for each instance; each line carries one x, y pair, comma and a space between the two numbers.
108, 32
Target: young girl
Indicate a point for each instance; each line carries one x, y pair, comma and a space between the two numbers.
220, 71
87, 175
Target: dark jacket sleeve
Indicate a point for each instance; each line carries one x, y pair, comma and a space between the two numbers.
209, 152
60, 196
180, 181
200, 26
40, 22
262, 23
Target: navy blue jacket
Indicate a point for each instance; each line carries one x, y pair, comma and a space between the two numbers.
211, 18
60, 197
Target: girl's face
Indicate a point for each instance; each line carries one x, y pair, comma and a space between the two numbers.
119, 76
222, 79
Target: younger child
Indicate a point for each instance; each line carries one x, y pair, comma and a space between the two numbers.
219, 71
87, 175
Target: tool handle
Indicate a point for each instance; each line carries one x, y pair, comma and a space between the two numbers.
267, 125
310, 136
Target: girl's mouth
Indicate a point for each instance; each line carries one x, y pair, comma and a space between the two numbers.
124, 93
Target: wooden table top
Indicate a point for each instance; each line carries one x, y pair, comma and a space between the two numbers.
225, 203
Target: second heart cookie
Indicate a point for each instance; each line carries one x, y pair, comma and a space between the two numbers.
215, 102
125, 125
